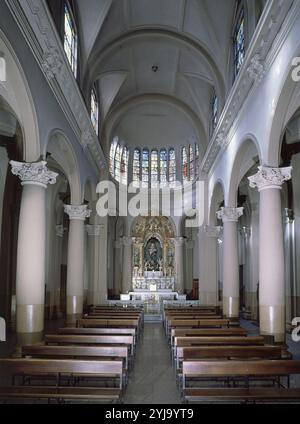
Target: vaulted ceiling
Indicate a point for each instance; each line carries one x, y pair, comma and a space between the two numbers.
171, 51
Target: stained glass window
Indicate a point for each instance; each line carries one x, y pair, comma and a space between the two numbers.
163, 168
154, 169
117, 163
215, 109
172, 167
136, 167
184, 163
124, 166
197, 159
112, 154
239, 42
192, 163
94, 111
145, 168
70, 39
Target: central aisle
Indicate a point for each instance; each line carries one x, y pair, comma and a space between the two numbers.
153, 378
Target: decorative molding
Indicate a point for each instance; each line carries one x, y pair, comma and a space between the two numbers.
93, 230
230, 214
256, 69
212, 232
268, 177
36, 24
268, 37
35, 173
179, 241
127, 241
77, 212
59, 230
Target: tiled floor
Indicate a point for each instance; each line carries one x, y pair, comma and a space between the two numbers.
153, 379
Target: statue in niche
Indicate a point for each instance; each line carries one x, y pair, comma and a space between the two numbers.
153, 254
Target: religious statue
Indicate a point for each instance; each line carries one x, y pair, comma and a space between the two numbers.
153, 254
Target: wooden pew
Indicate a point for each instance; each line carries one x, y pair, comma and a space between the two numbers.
198, 332
245, 370
113, 340
101, 370
98, 331
226, 352
78, 352
198, 323
113, 323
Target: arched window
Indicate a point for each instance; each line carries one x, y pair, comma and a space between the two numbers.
197, 159
184, 164
163, 168
172, 167
136, 168
70, 38
112, 154
239, 39
154, 169
215, 111
94, 111
191, 162
145, 168
117, 163
124, 166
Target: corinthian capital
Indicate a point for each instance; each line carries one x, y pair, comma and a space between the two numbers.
127, 241
35, 173
212, 232
179, 241
78, 212
268, 177
93, 230
230, 214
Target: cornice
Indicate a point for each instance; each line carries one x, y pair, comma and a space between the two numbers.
36, 24
275, 23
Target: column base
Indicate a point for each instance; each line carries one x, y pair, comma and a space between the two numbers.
208, 298
30, 319
71, 320
231, 307
272, 322
25, 339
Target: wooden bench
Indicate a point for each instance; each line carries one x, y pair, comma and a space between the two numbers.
199, 332
77, 352
245, 371
203, 323
114, 340
58, 369
98, 331
226, 352
111, 323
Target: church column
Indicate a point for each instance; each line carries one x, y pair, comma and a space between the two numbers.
208, 263
269, 182
75, 274
127, 265
179, 265
57, 260
231, 285
31, 252
117, 266
189, 255
93, 232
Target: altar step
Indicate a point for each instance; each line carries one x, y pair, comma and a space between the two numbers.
152, 318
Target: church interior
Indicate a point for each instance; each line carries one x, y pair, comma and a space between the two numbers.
150, 201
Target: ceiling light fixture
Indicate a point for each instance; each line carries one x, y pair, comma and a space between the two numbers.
155, 68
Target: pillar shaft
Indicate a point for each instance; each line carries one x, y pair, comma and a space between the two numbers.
30, 280
271, 251
179, 265
75, 273
231, 304
127, 265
